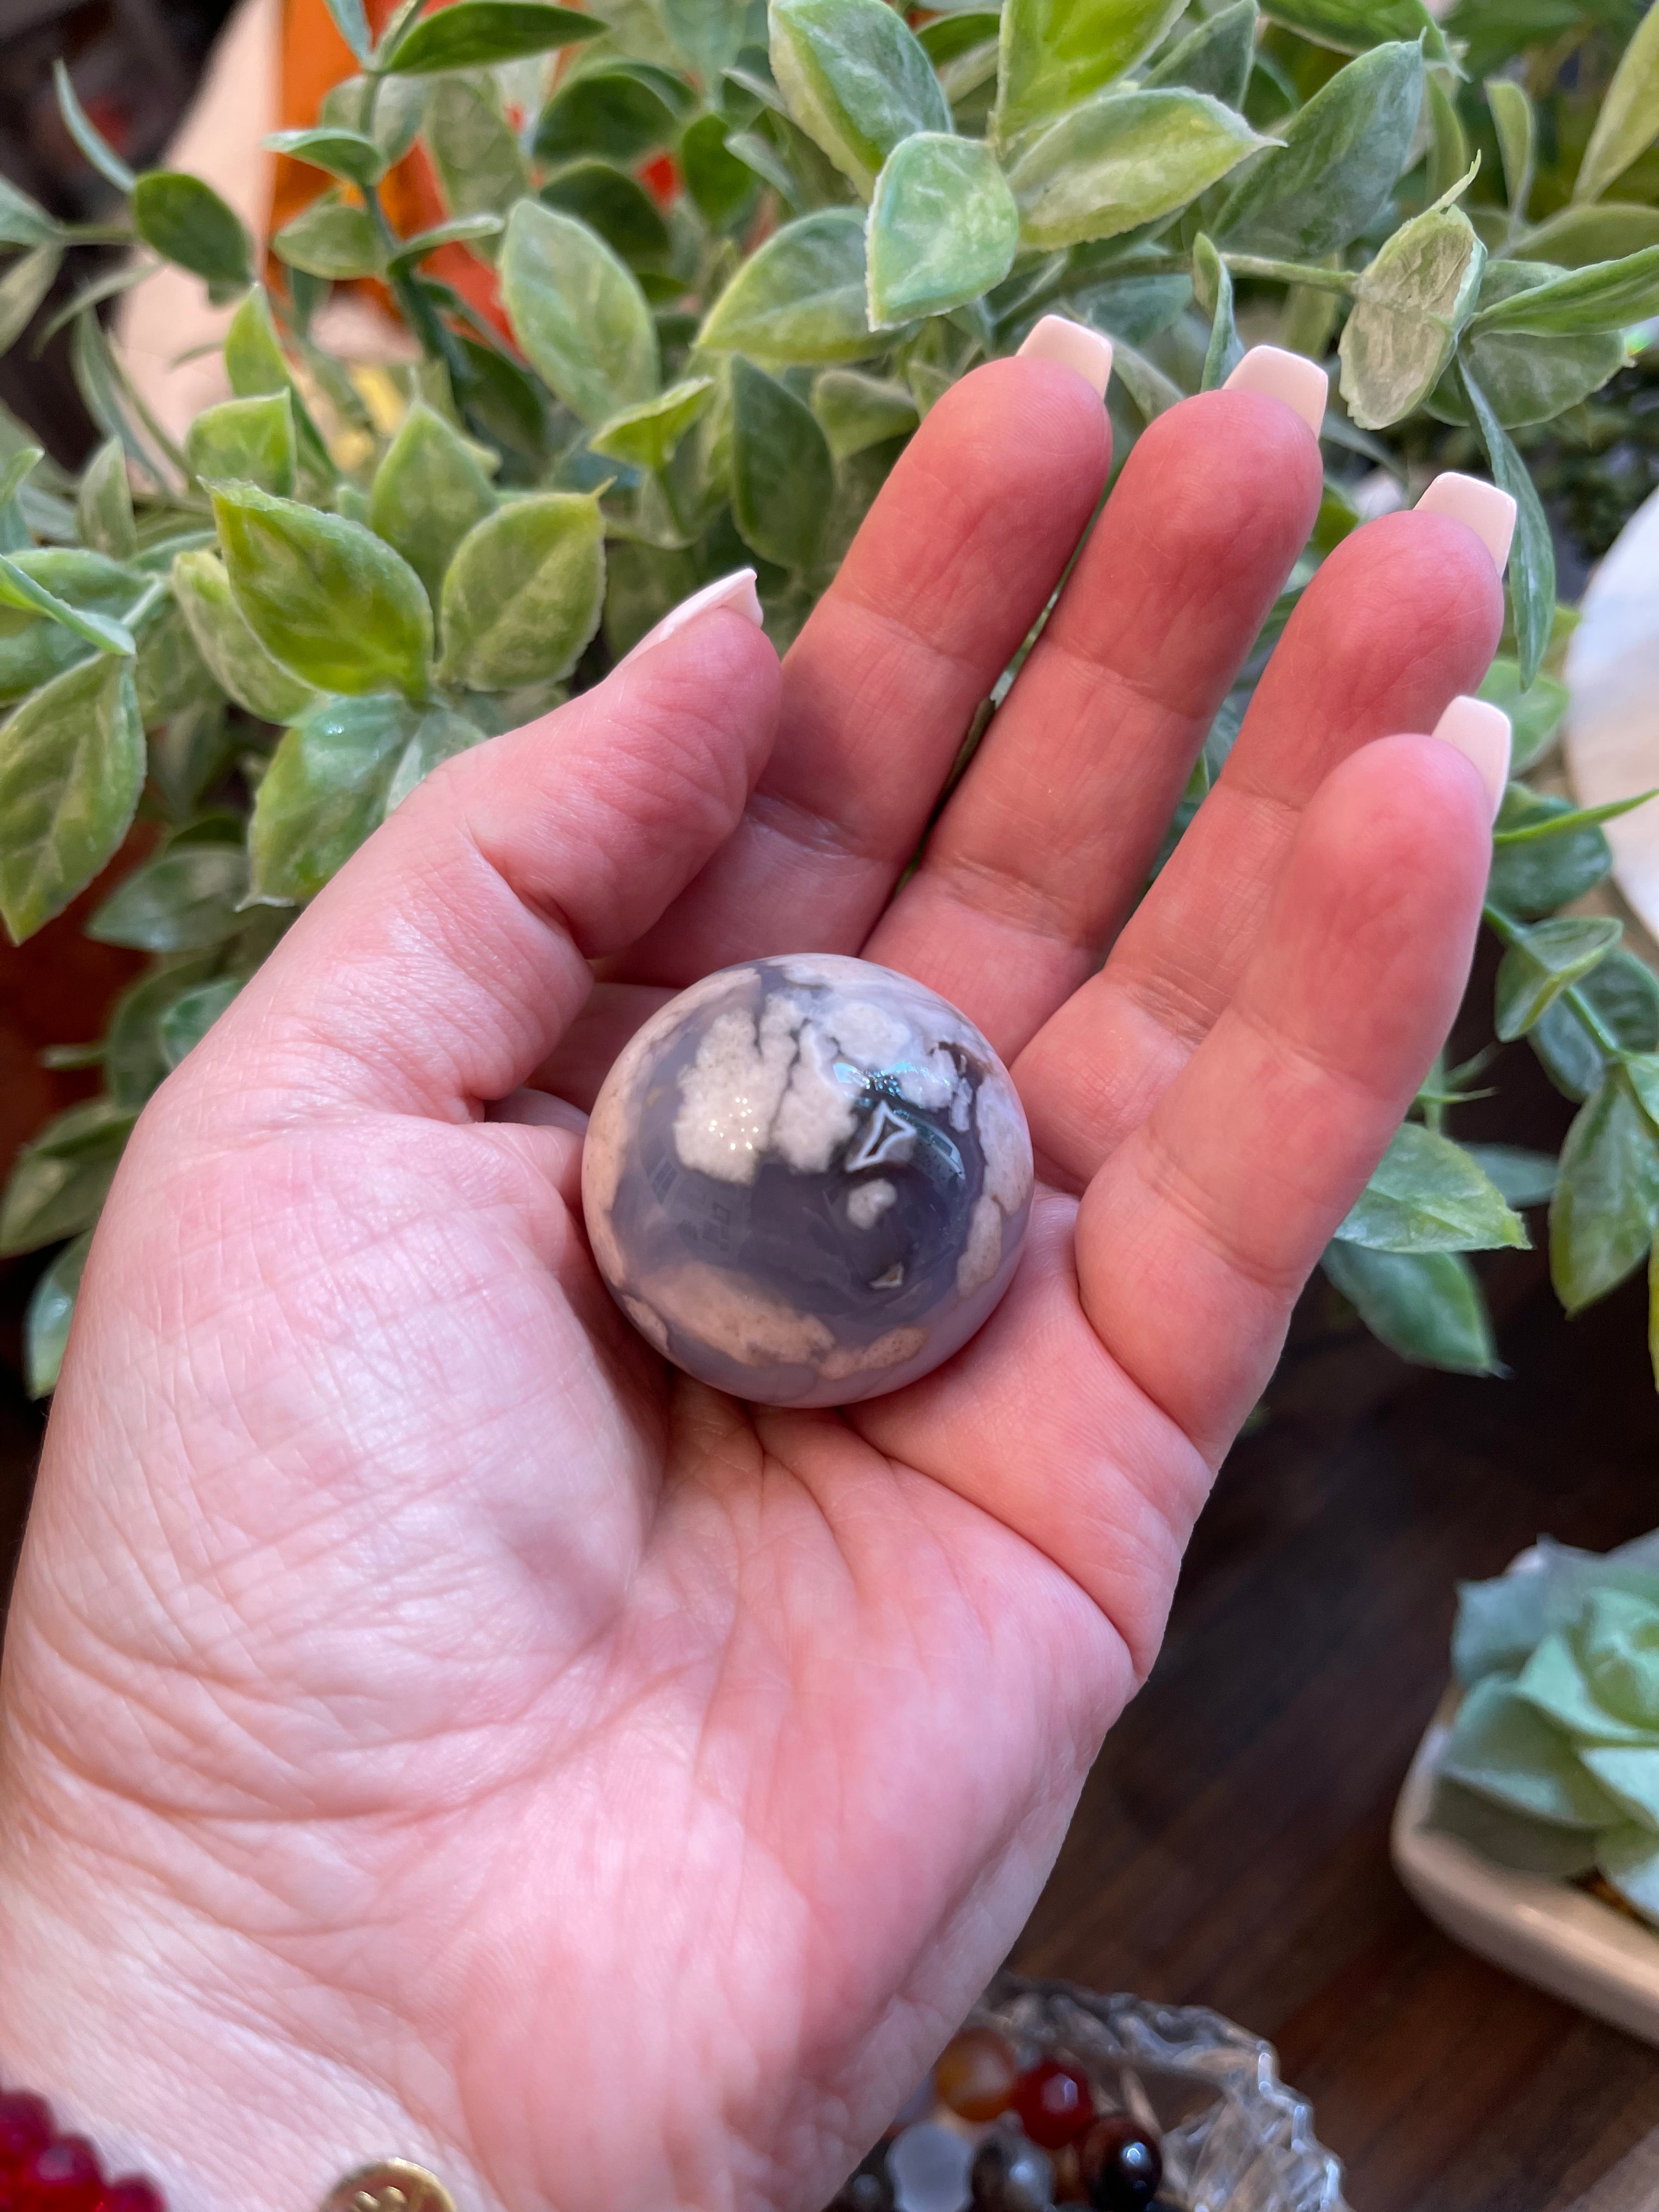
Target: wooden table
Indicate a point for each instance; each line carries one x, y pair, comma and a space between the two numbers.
1232, 1847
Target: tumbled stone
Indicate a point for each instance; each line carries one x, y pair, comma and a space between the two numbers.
807, 1179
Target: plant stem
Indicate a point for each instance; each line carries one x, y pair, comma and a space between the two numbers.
1292, 272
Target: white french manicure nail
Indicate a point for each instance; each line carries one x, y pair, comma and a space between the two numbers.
1480, 733
1488, 512
736, 591
1302, 384
1074, 345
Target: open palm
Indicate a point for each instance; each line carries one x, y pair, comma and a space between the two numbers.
431, 1725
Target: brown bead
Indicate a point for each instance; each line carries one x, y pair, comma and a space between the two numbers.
977, 2072
1122, 2164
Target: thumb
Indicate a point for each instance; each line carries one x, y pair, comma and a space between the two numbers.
448, 956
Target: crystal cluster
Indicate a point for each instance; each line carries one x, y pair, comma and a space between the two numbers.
996, 2130
807, 1180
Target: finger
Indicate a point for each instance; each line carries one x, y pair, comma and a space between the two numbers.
1403, 616
954, 563
448, 956
582, 1059
1197, 1234
1049, 838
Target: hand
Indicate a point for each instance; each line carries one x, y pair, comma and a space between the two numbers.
431, 1726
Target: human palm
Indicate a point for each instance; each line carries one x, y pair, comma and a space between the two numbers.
433, 1726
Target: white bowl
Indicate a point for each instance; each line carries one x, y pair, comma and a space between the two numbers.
1549, 1932
1612, 737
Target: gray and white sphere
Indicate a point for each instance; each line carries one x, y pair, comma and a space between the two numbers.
807, 1180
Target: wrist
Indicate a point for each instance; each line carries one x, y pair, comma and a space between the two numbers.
181, 2049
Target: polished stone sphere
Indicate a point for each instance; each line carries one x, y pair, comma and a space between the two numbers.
807, 1180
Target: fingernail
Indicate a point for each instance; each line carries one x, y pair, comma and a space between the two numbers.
736, 591
1074, 345
1480, 733
1302, 384
1488, 512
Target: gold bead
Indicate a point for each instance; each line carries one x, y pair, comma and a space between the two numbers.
391, 2185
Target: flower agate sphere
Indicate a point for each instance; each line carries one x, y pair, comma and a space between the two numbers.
807, 1180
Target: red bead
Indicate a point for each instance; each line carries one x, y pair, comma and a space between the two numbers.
26, 2126
1053, 2103
132, 2194
64, 2177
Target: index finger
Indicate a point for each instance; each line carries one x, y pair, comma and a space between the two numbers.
953, 565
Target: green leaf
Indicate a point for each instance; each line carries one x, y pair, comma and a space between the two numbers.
856, 81
324, 792
1426, 1306
390, 110
103, 506
59, 1181
1627, 121
1516, 126
616, 205
1212, 290
943, 229
1630, 1775
474, 148
1575, 236
1627, 1859
71, 769
1608, 295
647, 437
441, 736
620, 111
251, 441
51, 1309
1625, 995
187, 1020
479, 34
801, 298
186, 222
579, 314
1409, 305
1353, 26
1056, 53
133, 1059
238, 662
23, 222
331, 239
722, 186
1525, 1178
1121, 160
458, 230
1576, 818
92, 143
324, 597
1501, 1748
256, 365
1341, 157
1428, 1195
428, 492
1508, 1839
709, 34
193, 751
352, 24
1215, 59
523, 593
1531, 577
351, 155
783, 478
1534, 973
170, 676
1526, 378
183, 901
20, 590
1606, 1207
23, 288
34, 645
1535, 714
856, 411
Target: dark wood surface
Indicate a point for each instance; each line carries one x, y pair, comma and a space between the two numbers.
1232, 1846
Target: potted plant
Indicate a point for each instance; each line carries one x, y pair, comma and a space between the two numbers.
262, 638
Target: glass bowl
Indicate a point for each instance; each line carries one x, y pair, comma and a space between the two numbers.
1236, 2139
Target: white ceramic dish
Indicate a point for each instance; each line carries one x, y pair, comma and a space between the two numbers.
1549, 1932
1611, 740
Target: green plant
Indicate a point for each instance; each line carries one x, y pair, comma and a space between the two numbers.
1552, 1763
263, 639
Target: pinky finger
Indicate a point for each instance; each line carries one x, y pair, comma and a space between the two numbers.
1196, 1237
